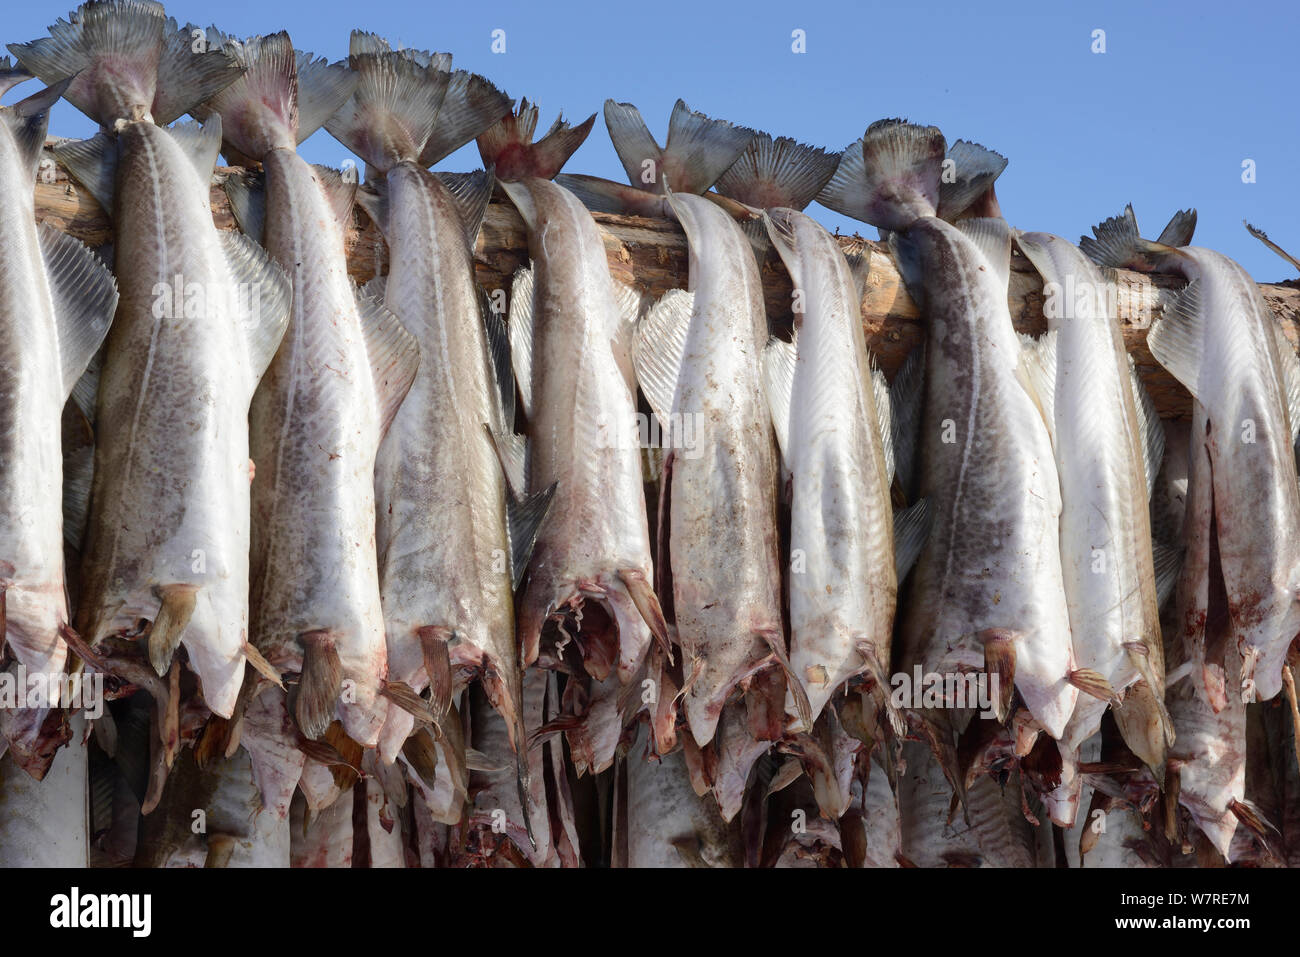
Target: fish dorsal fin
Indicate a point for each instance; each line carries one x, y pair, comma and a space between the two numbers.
394, 357
85, 394
29, 120
906, 398
200, 142
323, 88
884, 416
778, 172
247, 194
1179, 230
471, 193
911, 529
1151, 430
658, 348
340, 193
1038, 362
265, 318
93, 164
85, 298
1177, 338
779, 362
520, 324
970, 170
992, 237
498, 342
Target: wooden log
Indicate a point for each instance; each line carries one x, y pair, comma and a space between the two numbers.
651, 254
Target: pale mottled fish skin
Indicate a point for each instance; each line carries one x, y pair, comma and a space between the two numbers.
992, 559
44, 823
723, 546
31, 402
440, 489
841, 519
170, 501
582, 430
998, 834
327, 840
236, 832
1241, 387
668, 824
314, 430
1106, 556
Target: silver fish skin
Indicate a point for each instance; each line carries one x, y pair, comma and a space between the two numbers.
594, 543
722, 529
440, 494
447, 577
44, 823
843, 593
667, 823
199, 318
1222, 342
236, 833
1105, 530
992, 560
318, 415
171, 491
58, 300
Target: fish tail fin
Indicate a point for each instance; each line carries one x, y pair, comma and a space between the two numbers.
1263, 238
890, 177
509, 146
320, 685
1117, 243
966, 184
11, 75
778, 172
261, 110
128, 61
699, 149
29, 119
1179, 230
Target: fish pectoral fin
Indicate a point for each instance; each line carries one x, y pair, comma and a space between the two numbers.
406, 698
1092, 682
1000, 662
394, 356
262, 666
880, 687
421, 754
435, 646
169, 625
320, 685
647, 603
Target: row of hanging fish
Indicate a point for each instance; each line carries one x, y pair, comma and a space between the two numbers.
409, 575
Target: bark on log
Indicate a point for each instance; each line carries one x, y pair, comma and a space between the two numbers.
651, 254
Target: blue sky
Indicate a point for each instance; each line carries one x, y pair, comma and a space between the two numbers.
1184, 93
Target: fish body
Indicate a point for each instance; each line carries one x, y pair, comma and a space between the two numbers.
843, 588
992, 561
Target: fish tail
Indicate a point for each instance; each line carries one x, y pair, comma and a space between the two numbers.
778, 172
699, 149
890, 177
966, 185
509, 146
1117, 243
129, 61
409, 106
282, 98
